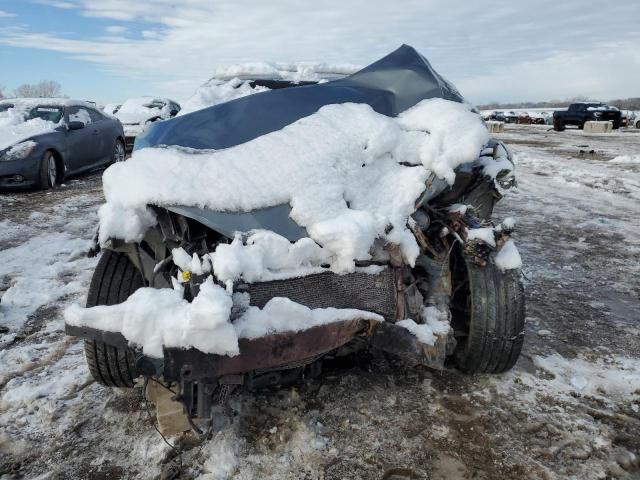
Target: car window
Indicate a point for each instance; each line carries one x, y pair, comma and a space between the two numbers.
79, 114
96, 116
5, 107
50, 114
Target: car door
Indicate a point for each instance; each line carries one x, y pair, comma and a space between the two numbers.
81, 151
105, 139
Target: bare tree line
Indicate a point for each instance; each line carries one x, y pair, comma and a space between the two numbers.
622, 103
44, 88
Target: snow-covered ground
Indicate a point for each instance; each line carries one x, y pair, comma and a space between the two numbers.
570, 408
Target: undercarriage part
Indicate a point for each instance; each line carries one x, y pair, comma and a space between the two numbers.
373, 293
271, 351
399, 341
488, 313
114, 280
169, 413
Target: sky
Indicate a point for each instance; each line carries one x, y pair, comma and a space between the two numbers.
109, 50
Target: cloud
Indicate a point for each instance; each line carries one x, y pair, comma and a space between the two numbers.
489, 49
6, 14
115, 29
609, 71
56, 3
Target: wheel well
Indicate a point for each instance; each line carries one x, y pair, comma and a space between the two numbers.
61, 170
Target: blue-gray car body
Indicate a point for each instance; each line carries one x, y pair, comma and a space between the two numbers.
77, 146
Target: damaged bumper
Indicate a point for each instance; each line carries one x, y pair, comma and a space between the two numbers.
285, 350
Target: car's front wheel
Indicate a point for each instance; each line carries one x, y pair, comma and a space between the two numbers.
488, 310
114, 280
48, 170
118, 152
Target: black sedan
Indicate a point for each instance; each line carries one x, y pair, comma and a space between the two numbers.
44, 141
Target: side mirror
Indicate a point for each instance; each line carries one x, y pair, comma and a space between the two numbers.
75, 125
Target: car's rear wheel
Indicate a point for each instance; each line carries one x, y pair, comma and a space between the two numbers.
118, 151
638, 124
48, 170
488, 310
114, 280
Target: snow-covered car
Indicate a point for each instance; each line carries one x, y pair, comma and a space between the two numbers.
136, 114
236, 81
303, 224
45, 140
111, 108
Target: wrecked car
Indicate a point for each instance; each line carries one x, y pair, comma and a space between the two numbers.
136, 114
296, 225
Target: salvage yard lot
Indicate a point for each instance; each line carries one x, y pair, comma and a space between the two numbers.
570, 408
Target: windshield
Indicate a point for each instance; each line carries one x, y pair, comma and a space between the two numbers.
50, 114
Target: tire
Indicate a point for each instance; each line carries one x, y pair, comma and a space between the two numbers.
638, 124
488, 310
48, 170
558, 125
118, 154
114, 280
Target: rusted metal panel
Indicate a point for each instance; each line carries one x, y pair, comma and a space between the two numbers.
260, 353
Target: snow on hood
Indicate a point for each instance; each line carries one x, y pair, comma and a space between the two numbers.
14, 129
347, 172
234, 81
139, 110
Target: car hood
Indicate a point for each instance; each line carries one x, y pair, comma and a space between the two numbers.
14, 130
391, 85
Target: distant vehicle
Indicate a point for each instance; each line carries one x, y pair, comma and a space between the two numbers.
497, 116
538, 118
524, 119
45, 140
510, 117
579, 113
111, 108
136, 113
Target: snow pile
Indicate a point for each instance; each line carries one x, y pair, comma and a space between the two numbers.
508, 257
265, 256
39, 271
607, 377
14, 129
626, 159
169, 320
283, 315
485, 235
153, 318
350, 175
436, 323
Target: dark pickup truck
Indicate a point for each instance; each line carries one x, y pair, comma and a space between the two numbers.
579, 113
